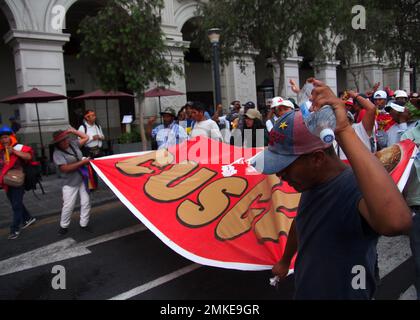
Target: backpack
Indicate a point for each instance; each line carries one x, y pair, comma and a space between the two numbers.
33, 177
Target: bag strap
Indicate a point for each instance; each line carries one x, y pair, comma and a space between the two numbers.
74, 154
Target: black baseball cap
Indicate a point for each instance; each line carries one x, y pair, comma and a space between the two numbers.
249, 105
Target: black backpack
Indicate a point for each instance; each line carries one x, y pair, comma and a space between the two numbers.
32, 177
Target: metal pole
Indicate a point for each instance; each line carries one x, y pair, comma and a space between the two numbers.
107, 125
40, 134
160, 110
415, 76
216, 70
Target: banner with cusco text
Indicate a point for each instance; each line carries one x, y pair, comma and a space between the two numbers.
204, 200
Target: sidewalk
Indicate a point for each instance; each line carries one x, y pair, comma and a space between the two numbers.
51, 202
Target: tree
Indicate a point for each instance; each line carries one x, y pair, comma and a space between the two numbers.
334, 34
125, 46
249, 25
399, 31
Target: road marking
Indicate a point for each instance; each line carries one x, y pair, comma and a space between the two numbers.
54, 252
409, 294
60, 251
157, 282
392, 252
112, 236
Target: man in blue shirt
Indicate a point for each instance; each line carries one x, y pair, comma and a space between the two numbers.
169, 133
339, 216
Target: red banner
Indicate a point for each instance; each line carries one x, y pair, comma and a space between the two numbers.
203, 200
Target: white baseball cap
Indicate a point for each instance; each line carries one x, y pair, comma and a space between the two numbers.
380, 95
396, 107
401, 94
279, 101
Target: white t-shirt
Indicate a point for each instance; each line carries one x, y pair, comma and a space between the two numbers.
269, 124
207, 128
90, 132
363, 136
395, 132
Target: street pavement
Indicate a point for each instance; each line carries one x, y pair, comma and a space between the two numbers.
120, 259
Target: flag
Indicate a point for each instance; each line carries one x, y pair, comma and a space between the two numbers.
204, 201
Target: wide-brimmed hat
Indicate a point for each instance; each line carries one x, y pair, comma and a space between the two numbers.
59, 136
289, 139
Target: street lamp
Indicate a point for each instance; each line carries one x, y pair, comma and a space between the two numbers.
214, 37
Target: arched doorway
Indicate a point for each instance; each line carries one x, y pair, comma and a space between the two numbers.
7, 74
306, 50
79, 78
341, 56
198, 70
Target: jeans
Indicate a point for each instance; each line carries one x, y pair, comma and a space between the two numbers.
415, 248
20, 214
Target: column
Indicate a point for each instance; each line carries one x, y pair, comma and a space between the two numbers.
392, 78
175, 57
326, 71
291, 72
364, 76
39, 64
238, 81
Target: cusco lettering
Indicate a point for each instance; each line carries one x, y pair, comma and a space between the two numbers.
263, 208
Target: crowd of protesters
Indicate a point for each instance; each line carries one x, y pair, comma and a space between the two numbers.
366, 123
379, 119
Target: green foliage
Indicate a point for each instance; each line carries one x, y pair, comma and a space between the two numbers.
249, 25
125, 45
129, 137
266, 25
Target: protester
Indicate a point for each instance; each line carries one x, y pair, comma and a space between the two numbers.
222, 122
93, 148
401, 97
364, 129
279, 107
412, 196
338, 218
187, 122
13, 157
181, 116
202, 126
169, 133
255, 134
234, 111
413, 107
415, 100
70, 161
400, 116
383, 119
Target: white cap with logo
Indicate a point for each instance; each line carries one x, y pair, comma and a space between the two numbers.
279, 101
380, 94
